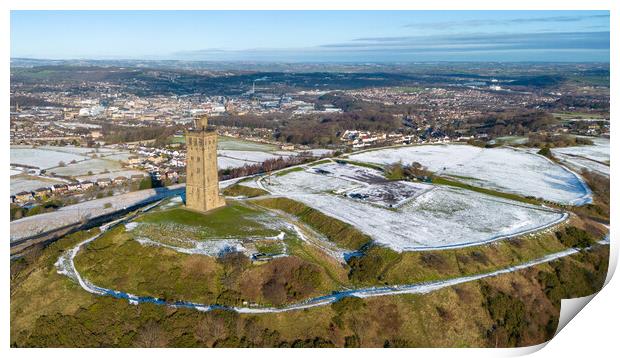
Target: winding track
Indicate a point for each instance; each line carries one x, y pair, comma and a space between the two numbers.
66, 266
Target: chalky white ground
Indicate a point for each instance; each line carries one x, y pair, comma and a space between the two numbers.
504, 169
438, 217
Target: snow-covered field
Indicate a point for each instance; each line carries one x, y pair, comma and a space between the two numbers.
42, 158
579, 163
49, 157
438, 217
73, 214
28, 183
390, 194
238, 158
68, 149
228, 163
235, 153
249, 156
82, 168
208, 248
319, 152
120, 156
590, 157
599, 151
229, 143
124, 173
504, 169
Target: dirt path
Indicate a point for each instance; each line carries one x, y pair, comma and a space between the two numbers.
66, 266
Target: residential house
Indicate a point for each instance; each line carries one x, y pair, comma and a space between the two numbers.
23, 196
73, 186
120, 180
59, 188
87, 184
103, 182
42, 193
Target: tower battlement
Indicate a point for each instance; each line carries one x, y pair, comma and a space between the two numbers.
202, 187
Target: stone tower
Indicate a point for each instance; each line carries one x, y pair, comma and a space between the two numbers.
202, 191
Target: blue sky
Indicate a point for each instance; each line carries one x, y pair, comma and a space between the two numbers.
294, 36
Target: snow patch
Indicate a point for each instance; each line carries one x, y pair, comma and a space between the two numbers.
504, 169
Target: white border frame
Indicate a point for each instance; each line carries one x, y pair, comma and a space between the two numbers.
591, 333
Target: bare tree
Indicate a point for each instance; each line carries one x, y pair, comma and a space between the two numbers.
151, 335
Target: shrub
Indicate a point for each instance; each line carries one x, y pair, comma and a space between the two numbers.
369, 267
397, 343
146, 183
575, 237
508, 315
395, 171
434, 261
352, 341
291, 279
317, 342
546, 152
17, 212
348, 304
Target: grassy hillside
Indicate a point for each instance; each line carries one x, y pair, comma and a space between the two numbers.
241, 190
335, 230
517, 309
119, 262
234, 219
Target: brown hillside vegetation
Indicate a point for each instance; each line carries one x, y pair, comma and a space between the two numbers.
517, 309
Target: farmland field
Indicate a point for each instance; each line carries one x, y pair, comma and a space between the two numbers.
511, 140
227, 163
230, 143
503, 169
70, 149
96, 166
78, 161
234, 152
599, 151
42, 158
120, 156
250, 156
437, 217
21, 183
72, 214
579, 163
590, 157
